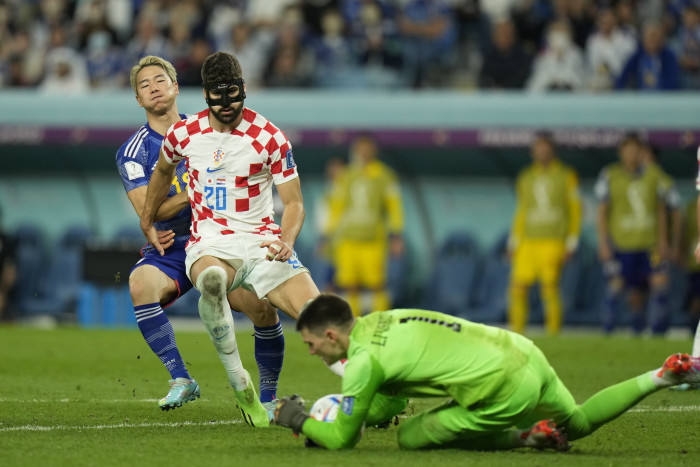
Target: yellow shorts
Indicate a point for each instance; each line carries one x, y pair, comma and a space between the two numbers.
538, 260
360, 264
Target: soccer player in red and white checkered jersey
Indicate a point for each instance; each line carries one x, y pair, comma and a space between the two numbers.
158, 280
233, 156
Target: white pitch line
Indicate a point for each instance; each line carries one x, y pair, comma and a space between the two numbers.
68, 400
670, 408
638, 409
119, 425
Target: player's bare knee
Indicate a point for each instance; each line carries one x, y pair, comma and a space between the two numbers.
142, 292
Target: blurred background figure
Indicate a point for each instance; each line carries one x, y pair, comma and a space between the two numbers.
653, 67
607, 50
366, 225
691, 266
66, 73
324, 267
560, 66
544, 235
427, 28
290, 64
672, 199
506, 63
633, 239
687, 46
8, 271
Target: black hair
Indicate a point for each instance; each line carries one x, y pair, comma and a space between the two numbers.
221, 67
325, 310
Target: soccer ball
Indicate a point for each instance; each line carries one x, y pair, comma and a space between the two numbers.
326, 408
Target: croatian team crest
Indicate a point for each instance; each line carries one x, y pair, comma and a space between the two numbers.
218, 157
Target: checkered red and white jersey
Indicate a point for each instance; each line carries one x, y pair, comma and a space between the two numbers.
231, 174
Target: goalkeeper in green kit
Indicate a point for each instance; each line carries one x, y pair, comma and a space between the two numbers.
504, 394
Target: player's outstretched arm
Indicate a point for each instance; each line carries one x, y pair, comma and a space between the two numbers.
158, 188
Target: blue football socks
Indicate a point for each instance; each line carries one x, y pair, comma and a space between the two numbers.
269, 355
159, 334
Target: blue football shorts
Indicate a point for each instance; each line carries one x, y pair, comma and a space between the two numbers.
172, 263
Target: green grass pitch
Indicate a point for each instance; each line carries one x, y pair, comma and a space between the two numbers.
89, 397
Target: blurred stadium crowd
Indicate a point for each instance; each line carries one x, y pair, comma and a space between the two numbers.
79, 46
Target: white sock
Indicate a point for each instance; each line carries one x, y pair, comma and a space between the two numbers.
696, 342
216, 316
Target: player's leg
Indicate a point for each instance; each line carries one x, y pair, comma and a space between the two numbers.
269, 341
522, 276
557, 403
637, 274
552, 257
694, 310
292, 295
347, 274
614, 291
659, 313
372, 258
384, 408
150, 288
213, 277
486, 427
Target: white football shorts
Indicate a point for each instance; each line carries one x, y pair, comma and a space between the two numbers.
242, 251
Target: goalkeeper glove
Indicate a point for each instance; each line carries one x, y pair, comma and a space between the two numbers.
291, 413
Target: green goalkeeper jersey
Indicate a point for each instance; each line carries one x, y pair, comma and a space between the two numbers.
418, 353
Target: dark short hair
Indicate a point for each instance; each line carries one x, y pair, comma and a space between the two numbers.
325, 310
221, 67
629, 138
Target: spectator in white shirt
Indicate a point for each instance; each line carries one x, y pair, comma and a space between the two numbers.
560, 66
607, 51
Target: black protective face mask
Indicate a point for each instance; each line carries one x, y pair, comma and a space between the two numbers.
224, 88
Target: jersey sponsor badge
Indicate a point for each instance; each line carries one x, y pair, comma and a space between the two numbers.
290, 159
134, 170
348, 404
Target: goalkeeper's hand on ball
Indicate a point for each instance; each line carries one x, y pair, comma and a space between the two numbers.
291, 413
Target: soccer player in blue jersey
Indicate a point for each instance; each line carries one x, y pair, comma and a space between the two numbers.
157, 281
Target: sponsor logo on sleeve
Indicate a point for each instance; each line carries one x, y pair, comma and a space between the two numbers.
348, 404
134, 170
290, 159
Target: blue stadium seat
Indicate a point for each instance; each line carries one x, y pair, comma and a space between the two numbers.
492, 295
60, 280
454, 275
185, 305
31, 261
131, 235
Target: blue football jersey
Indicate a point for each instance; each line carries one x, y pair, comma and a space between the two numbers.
136, 160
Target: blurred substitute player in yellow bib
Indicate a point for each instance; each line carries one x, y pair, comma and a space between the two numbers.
632, 229
366, 216
545, 233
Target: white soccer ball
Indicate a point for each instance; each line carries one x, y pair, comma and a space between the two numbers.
326, 408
